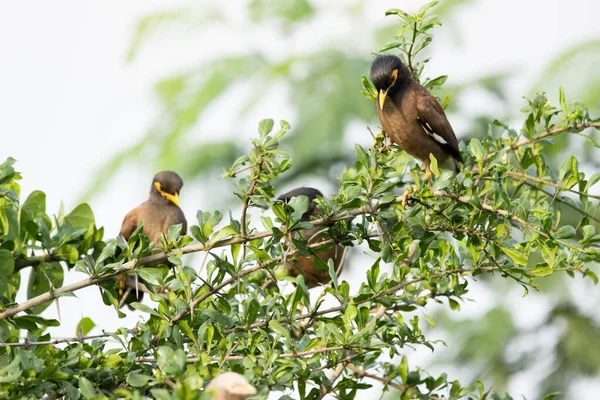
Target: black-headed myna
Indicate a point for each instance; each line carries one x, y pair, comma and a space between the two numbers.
304, 265
230, 386
411, 117
159, 212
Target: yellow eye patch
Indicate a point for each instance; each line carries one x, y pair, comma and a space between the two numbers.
394, 76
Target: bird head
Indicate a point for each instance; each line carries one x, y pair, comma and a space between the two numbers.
389, 75
309, 192
166, 184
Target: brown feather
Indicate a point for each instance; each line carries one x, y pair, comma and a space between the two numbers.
305, 265
158, 214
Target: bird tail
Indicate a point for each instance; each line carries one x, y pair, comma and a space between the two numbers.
452, 163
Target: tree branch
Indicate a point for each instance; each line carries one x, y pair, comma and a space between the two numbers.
542, 135
548, 183
364, 374
193, 248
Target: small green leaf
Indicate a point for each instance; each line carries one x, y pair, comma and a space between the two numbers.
433, 165
565, 232
436, 82
542, 270
81, 217
518, 257
265, 127
423, 10
86, 388
136, 379
7, 263
550, 396
476, 148
154, 276
84, 326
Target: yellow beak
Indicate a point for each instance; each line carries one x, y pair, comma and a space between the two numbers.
382, 96
172, 197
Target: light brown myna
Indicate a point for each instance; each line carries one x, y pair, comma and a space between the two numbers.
230, 386
159, 212
411, 117
304, 265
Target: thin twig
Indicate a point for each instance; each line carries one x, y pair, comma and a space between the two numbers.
239, 358
249, 193
27, 343
548, 183
339, 369
542, 135
364, 374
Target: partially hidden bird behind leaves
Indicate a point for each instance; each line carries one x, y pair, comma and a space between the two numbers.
307, 265
159, 212
411, 117
230, 386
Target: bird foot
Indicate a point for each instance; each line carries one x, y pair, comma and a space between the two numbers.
121, 283
427, 175
382, 141
407, 193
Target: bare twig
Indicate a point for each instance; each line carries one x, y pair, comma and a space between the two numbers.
249, 193
364, 374
339, 369
548, 183
239, 358
542, 135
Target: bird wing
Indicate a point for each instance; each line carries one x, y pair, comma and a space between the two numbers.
432, 118
129, 225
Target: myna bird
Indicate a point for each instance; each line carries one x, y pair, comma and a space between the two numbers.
411, 117
230, 386
313, 276
159, 212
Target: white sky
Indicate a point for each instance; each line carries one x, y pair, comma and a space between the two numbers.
68, 98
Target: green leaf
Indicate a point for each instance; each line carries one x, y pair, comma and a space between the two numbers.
7, 263
331, 270
542, 270
265, 127
565, 232
144, 308
154, 276
434, 165
223, 233
107, 251
369, 90
86, 388
436, 82
278, 328
362, 156
173, 233
300, 205
84, 326
550, 396
252, 312
563, 103
35, 203
516, 256
136, 379
476, 148
81, 217
426, 8
42, 279
12, 371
